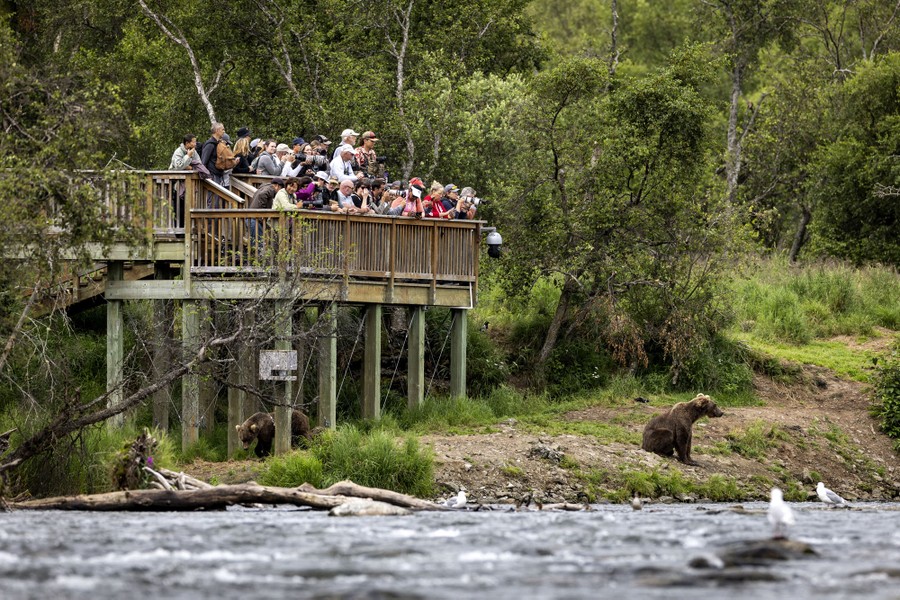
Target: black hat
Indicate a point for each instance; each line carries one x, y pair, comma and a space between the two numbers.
298, 141
322, 139
243, 132
278, 181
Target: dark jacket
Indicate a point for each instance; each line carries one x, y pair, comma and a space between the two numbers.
263, 197
244, 165
208, 156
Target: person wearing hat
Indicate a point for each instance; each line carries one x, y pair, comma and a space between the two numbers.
329, 193
465, 206
342, 165
366, 157
320, 180
413, 206
451, 195
348, 136
243, 153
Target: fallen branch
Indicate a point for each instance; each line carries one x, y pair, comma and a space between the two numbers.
348, 488
212, 498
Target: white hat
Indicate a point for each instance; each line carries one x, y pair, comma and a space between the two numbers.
282, 148
348, 133
345, 148
322, 175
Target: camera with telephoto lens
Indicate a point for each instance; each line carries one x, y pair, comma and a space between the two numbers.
475, 201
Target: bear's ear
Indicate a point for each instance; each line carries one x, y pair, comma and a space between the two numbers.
238, 428
702, 399
254, 428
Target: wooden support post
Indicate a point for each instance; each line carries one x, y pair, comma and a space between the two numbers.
415, 358
163, 320
235, 403
248, 357
458, 331
371, 406
327, 410
208, 387
190, 383
115, 345
283, 389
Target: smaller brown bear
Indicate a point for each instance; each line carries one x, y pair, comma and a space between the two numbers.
670, 432
261, 427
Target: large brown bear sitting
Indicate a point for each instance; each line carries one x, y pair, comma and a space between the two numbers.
670, 432
261, 427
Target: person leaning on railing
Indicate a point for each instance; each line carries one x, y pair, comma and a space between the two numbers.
184, 153
284, 198
262, 200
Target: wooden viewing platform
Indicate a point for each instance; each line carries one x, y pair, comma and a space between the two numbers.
202, 245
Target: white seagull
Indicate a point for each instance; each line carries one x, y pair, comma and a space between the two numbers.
829, 497
457, 501
780, 514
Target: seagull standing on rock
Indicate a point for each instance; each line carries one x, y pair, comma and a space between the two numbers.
780, 515
457, 501
829, 497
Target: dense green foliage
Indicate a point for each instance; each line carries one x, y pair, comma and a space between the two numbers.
887, 395
633, 161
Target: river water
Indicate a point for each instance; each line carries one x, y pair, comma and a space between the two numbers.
609, 552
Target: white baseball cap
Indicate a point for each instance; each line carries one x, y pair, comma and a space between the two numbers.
348, 133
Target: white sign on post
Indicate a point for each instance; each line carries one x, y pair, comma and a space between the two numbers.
278, 365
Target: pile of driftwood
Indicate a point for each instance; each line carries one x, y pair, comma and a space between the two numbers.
180, 492
171, 491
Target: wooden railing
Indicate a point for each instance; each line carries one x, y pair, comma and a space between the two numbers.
225, 237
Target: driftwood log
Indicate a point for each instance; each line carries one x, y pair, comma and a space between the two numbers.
212, 498
180, 492
348, 488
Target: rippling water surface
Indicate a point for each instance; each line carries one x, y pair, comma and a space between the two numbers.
604, 553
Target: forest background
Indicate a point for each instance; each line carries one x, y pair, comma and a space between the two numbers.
637, 157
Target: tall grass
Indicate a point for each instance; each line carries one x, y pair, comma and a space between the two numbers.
448, 414
793, 304
375, 458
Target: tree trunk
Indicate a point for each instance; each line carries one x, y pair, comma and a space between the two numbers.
800, 236
559, 317
348, 488
733, 150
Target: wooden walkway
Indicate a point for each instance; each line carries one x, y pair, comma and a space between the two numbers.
203, 243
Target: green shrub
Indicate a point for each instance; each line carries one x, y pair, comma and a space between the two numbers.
374, 459
887, 394
294, 469
721, 366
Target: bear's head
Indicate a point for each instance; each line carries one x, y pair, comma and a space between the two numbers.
707, 406
247, 434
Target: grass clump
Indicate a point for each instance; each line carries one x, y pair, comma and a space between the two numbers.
512, 471
756, 440
460, 414
373, 459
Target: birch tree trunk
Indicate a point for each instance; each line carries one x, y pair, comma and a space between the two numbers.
171, 31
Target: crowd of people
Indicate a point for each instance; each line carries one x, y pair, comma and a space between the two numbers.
352, 180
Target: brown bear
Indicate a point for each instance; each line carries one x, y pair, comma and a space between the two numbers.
261, 427
670, 432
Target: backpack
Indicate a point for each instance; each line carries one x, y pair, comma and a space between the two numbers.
224, 157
